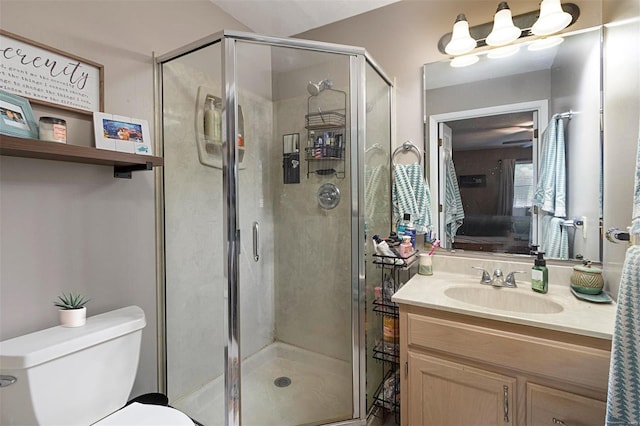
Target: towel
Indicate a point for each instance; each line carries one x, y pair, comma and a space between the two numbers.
635, 215
623, 398
411, 195
556, 240
551, 190
376, 201
453, 210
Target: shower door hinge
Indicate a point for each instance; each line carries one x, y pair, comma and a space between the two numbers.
535, 133
439, 141
439, 208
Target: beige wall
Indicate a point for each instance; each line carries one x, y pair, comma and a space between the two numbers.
70, 226
621, 116
403, 36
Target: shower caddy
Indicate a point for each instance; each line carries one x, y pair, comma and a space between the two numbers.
387, 395
326, 137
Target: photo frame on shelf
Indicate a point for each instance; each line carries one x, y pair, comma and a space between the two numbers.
16, 116
123, 134
49, 76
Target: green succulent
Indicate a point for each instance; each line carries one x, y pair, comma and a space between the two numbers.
71, 301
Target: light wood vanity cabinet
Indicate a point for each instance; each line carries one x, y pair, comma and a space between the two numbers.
465, 370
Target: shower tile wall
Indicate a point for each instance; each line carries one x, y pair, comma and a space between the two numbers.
313, 273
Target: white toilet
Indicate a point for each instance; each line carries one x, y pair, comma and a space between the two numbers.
78, 376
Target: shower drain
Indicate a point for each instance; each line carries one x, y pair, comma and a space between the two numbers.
282, 382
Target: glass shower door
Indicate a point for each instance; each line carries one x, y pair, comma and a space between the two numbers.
295, 276
195, 284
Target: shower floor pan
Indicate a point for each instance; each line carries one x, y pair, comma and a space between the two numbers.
320, 389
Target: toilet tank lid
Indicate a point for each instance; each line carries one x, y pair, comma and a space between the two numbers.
45, 345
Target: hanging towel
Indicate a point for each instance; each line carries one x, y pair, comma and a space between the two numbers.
557, 241
623, 400
623, 397
551, 190
376, 204
411, 195
453, 210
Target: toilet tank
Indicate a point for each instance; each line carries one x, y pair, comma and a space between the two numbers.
71, 376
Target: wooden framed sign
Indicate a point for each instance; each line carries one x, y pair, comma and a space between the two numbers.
50, 76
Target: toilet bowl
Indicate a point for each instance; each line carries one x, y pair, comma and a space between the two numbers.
78, 376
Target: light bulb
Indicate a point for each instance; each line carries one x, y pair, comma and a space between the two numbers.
545, 43
552, 18
461, 41
503, 32
464, 61
503, 52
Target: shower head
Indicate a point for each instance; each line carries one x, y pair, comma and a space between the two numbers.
315, 88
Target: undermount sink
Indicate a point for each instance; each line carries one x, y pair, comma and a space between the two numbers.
505, 299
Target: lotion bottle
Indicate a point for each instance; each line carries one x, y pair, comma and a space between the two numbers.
540, 274
406, 248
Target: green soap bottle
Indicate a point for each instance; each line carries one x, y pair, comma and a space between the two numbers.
540, 274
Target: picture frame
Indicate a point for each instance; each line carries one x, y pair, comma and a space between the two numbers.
123, 134
16, 117
49, 76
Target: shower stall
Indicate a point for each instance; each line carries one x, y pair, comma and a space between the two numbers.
276, 173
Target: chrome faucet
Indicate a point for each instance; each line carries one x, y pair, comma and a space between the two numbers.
510, 281
498, 279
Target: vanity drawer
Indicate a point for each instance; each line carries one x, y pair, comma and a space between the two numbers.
556, 359
548, 406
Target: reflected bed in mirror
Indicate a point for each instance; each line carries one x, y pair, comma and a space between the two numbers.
496, 183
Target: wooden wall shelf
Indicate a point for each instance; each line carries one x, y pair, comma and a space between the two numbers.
123, 163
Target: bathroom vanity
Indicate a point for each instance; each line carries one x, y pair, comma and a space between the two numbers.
475, 354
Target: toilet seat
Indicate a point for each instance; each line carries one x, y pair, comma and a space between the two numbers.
137, 414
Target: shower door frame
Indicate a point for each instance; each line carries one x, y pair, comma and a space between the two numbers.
358, 58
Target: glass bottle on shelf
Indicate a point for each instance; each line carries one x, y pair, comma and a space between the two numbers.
212, 122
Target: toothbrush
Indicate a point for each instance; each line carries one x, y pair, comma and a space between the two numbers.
434, 247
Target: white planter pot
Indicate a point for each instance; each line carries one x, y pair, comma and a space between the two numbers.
73, 317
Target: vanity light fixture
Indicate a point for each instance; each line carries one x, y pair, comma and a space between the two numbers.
503, 32
506, 29
461, 41
552, 18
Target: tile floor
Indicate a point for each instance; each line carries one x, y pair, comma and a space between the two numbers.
320, 390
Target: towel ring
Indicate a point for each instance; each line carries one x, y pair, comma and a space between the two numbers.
405, 147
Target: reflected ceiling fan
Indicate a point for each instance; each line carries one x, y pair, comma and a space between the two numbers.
523, 143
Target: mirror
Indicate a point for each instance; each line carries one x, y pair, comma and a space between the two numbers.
491, 125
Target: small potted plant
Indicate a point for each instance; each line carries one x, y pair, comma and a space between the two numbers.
72, 312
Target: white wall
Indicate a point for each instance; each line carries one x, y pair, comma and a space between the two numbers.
70, 226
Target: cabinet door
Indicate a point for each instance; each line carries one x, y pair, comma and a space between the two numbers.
548, 406
448, 393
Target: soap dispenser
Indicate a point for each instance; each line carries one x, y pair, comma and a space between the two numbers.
540, 274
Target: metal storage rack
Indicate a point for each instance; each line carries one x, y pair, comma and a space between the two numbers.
327, 130
387, 396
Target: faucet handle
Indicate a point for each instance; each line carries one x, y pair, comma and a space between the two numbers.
510, 281
486, 278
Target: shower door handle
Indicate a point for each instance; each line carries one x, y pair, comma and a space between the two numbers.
256, 241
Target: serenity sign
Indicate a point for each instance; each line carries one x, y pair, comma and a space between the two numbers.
49, 76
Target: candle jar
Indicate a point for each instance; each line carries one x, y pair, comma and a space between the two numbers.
53, 129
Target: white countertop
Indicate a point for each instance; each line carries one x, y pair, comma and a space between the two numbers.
577, 316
